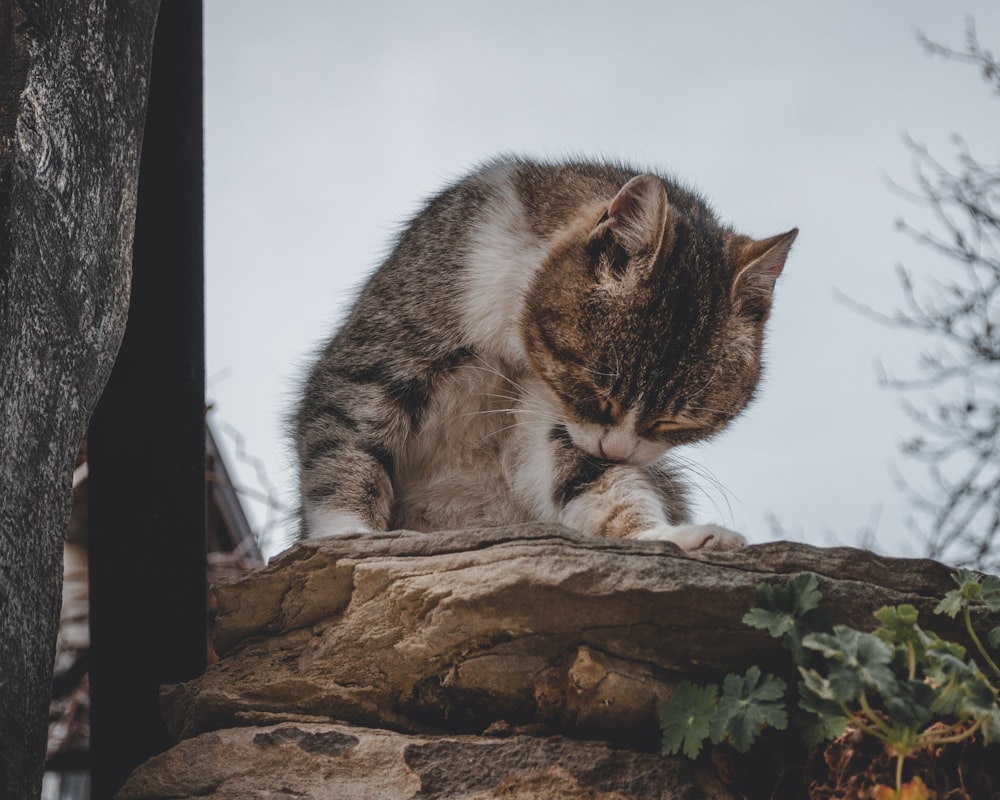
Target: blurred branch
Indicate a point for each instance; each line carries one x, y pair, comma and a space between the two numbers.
271, 534
955, 393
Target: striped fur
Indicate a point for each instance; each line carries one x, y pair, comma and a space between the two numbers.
536, 342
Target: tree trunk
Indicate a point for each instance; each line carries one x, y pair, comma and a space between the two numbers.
73, 83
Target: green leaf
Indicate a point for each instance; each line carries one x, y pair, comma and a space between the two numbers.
899, 630
973, 589
815, 689
779, 605
872, 664
789, 611
899, 625
961, 690
989, 593
686, 719
823, 728
908, 703
803, 592
859, 661
934, 645
978, 697
991, 729
951, 604
968, 695
993, 637
748, 705
946, 670
825, 719
942, 665
776, 623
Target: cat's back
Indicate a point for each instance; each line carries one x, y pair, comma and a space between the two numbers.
525, 198
464, 260
460, 268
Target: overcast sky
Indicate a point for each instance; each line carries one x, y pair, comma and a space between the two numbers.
328, 123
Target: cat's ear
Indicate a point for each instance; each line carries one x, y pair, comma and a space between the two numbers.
638, 218
758, 265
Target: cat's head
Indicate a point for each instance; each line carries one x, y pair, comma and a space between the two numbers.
646, 321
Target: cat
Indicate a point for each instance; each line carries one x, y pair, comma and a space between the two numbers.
539, 338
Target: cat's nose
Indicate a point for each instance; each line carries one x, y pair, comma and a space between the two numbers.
616, 447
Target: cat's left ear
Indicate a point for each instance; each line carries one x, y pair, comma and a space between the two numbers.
638, 218
758, 265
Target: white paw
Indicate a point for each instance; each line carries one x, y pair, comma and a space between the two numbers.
321, 524
694, 537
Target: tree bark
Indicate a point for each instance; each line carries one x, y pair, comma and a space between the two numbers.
73, 84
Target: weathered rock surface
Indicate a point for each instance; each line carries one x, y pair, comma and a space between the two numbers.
531, 625
424, 642
336, 762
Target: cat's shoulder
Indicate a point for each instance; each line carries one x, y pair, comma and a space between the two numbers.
541, 194
525, 172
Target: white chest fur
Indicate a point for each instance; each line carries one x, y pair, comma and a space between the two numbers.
479, 432
502, 259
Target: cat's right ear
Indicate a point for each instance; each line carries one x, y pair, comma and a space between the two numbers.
638, 219
759, 265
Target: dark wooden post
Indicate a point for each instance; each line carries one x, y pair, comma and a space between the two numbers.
147, 438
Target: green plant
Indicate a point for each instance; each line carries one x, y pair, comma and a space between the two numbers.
744, 707
904, 686
974, 590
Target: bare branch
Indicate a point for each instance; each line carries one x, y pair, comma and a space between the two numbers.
955, 392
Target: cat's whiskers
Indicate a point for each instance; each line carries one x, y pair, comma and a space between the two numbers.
613, 375
486, 366
543, 415
704, 409
517, 406
511, 411
727, 412
510, 398
709, 381
708, 477
539, 414
485, 412
525, 423
598, 374
618, 364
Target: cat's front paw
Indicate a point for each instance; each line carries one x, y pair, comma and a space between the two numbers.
321, 524
694, 537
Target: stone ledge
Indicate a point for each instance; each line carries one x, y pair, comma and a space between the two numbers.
530, 625
334, 762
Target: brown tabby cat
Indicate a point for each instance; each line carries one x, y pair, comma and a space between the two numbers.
541, 335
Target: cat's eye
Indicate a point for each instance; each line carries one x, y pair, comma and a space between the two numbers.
672, 424
664, 425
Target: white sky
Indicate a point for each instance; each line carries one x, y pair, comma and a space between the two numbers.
327, 124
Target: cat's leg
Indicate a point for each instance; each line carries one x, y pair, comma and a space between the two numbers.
352, 495
345, 489
694, 537
345, 459
628, 502
678, 529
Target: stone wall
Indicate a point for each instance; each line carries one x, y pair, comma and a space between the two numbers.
525, 662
